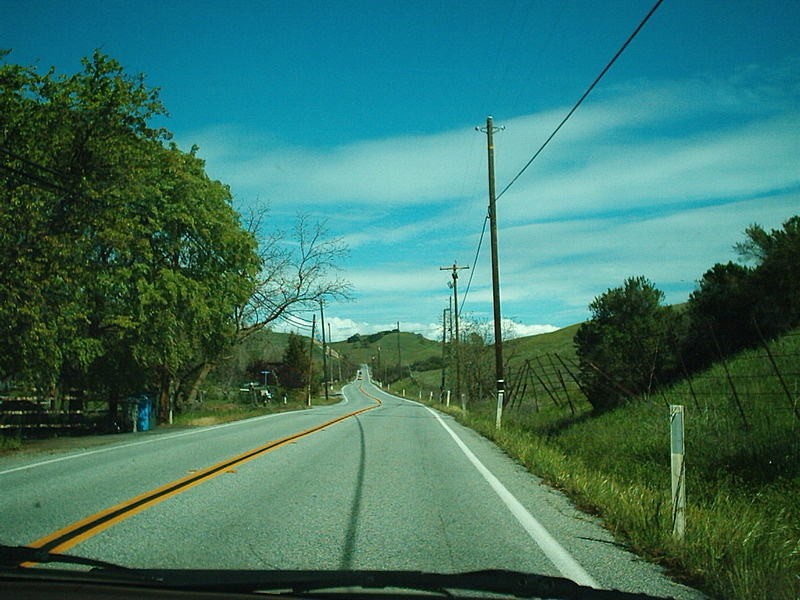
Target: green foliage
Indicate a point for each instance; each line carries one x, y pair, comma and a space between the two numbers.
777, 273
427, 364
294, 371
735, 307
721, 313
118, 255
743, 478
626, 348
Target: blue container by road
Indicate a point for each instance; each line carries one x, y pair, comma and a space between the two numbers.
145, 413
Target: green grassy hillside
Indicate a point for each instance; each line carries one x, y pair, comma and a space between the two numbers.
559, 342
380, 351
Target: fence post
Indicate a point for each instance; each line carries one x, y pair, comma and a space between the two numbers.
678, 471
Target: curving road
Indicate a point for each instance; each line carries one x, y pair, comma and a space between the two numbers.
374, 482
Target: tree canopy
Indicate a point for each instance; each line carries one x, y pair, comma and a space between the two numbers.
625, 349
632, 343
122, 264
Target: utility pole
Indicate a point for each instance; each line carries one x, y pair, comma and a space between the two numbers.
455, 269
311, 355
498, 333
330, 353
324, 353
399, 356
444, 345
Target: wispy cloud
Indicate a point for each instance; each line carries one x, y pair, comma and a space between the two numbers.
650, 178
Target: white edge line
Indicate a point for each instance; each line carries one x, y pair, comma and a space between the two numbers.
562, 559
554, 551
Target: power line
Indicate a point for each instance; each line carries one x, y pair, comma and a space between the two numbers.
552, 135
32, 178
295, 321
474, 262
28, 162
583, 97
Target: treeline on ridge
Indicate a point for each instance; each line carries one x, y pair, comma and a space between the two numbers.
633, 343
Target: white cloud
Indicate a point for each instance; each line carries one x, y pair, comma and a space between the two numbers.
653, 179
343, 328
512, 329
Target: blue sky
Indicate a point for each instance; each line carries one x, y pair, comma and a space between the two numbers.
363, 114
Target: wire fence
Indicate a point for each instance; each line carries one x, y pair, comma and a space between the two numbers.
758, 381
31, 413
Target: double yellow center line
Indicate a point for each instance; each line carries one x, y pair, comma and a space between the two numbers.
69, 536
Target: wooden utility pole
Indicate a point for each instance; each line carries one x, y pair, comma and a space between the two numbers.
330, 354
399, 356
324, 352
444, 346
498, 329
455, 269
311, 355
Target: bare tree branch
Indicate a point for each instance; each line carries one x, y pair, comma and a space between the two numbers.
297, 273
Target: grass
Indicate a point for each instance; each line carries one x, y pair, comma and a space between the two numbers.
219, 410
555, 342
743, 472
10, 443
413, 347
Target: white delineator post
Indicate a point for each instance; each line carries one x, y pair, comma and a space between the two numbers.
678, 471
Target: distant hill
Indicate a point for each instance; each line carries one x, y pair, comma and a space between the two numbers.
380, 350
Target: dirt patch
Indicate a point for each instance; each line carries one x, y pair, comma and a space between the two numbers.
57, 445
204, 421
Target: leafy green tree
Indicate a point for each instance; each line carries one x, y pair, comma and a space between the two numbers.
122, 264
735, 306
294, 372
627, 347
120, 256
777, 273
68, 147
721, 314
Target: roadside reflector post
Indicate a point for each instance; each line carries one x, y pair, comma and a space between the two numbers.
678, 471
448, 398
500, 395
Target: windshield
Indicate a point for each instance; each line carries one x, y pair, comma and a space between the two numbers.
255, 314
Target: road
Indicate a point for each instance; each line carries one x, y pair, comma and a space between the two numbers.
391, 484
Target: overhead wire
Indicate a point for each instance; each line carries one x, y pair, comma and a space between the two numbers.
295, 320
474, 264
32, 177
552, 135
583, 97
538, 59
521, 23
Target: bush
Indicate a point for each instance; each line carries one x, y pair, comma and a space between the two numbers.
627, 347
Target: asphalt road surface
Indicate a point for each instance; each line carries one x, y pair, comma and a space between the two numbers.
394, 486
